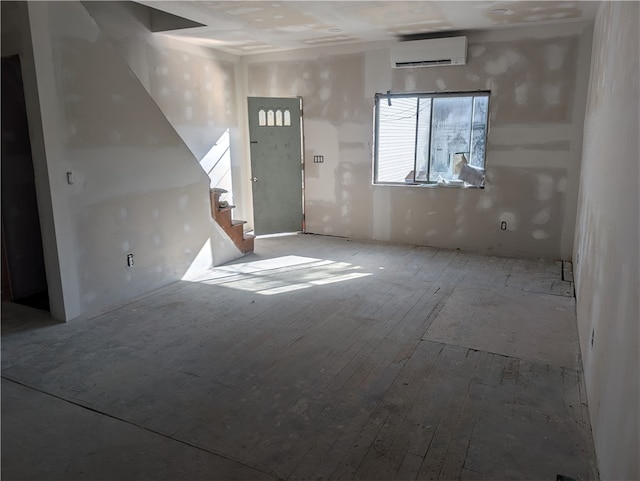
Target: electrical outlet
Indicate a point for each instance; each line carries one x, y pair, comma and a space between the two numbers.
129, 260
503, 225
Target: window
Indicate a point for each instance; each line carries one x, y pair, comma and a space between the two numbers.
431, 138
279, 118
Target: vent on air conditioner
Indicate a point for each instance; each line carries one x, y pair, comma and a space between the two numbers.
428, 53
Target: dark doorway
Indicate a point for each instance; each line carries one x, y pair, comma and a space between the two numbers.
23, 268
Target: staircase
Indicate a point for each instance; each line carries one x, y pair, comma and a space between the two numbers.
233, 228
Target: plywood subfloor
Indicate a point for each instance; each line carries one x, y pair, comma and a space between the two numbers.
313, 358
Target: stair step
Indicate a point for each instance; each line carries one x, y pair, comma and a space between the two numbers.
224, 209
238, 222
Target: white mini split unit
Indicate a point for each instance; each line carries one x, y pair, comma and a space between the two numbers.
429, 53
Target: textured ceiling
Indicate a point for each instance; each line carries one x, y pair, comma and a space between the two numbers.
245, 27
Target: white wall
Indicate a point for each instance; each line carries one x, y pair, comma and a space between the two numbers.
136, 188
606, 258
538, 82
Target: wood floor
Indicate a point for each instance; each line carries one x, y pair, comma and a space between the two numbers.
313, 358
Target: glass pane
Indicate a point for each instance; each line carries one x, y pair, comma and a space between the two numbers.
450, 135
422, 149
262, 118
287, 118
396, 139
479, 131
279, 118
270, 121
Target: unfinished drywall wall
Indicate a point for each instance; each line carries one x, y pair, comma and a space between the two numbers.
193, 86
122, 180
538, 80
607, 249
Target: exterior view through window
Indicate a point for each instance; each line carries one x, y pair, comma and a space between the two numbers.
431, 138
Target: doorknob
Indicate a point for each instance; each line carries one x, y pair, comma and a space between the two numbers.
253, 179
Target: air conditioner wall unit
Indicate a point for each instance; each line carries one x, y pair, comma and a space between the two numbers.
429, 53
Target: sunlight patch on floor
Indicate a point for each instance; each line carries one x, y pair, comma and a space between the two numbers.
282, 274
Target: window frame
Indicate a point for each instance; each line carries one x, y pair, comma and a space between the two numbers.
380, 97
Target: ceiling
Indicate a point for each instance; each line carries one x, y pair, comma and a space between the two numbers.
247, 27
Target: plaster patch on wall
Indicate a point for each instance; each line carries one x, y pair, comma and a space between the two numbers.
544, 187
492, 85
521, 94
188, 113
555, 56
441, 85
502, 63
115, 137
324, 93
539, 234
551, 94
476, 50
473, 77
125, 246
484, 203
187, 95
562, 185
183, 201
409, 83
186, 228
431, 233
164, 91
542, 216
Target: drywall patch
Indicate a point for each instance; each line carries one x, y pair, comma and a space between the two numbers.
441, 84
476, 50
562, 184
544, 187
473, 77
409, 83
521, 92
542, 216
324, 93
551, 94
554, 56
539, 234
484, 203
